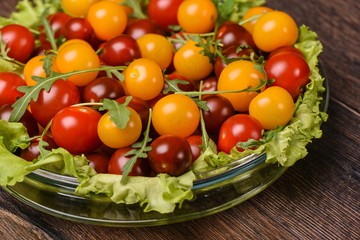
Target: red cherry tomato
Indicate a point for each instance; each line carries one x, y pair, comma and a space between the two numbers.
290, 72
286, 49
18, 37
61, 94
27, 119
164, 12
184, 87
238, 128
70, 132
9, 82
121, 50
139, 27
118, 161
78, 28
195, 141
232, 33
101, 88
33, 151
170, 154
99, 161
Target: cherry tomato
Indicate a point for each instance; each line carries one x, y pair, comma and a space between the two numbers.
140, 27
286, 49
34, 67
78, 28
220, 109
232, 33
101, 88
127, 9
190, 63
18, 37
209, 84
77, 7
274, 30
251, 13
157, 48
195, 141
27, 119
76, 57
274, 107
170, 154
164, 12
114, 137
175, 114
140, 106
9, 82
238, 128
58, 22
33, 151
61, 94
240, 75
120, 51
72, 41
107, 19
230, 52
144, 79
70, 132
290, 72
118, 161
99, 161
197, 16
184, 87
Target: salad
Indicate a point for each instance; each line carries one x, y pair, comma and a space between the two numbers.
136, 103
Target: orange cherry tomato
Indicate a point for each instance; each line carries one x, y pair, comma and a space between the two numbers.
157, 48
176, 114
71, 41
274, 107
34, 67
252, 12
197, 16
240, 75
107, 19
76, 57
77, 8
127, 9
274, 30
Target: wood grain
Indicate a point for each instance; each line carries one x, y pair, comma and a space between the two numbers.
318, 198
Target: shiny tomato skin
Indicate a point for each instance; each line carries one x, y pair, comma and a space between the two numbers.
170, 154
251, 13
78, 28
99, 161
164, 12
118, 161
233, 34
102, 87
140, 106
120, 51
33, 151
70, 132
61, 94
20, 41
290, 72
286, 49
27, 119
195, 141
77, 8
9, 82
238, 128
139, 27
220, 109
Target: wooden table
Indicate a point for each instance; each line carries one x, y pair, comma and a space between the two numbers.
317, 198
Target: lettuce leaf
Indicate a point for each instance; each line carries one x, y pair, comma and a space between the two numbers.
29, 12
241, 7
160, 193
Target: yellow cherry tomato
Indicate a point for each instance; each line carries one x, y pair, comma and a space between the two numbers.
71, 41
157, 48
114, 137
77, 8
175, 114
274, 30
76, 57
197, 16
144, 79
239, 75
252, 12
192, 64
274, 107
108, 19
34, 67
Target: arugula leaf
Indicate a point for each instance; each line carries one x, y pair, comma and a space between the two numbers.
50, 34
207, 49
116, 73
136, 7
173, 85
118, 112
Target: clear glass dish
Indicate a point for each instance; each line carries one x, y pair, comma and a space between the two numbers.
242, 179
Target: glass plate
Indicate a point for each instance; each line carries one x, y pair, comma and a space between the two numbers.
241, 180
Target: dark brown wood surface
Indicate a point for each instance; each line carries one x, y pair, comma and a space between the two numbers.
317, 198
